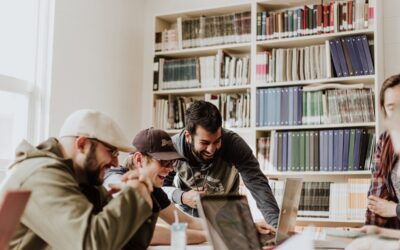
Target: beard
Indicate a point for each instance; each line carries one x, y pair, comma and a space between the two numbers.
198, 154
92, 168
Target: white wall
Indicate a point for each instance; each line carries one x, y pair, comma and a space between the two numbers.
391, 37
97, 60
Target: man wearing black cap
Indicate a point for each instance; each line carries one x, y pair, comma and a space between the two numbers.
214, 159
155, 157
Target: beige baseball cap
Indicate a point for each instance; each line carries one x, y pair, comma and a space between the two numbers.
96, 125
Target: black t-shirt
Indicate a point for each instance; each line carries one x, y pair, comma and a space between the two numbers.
161, 198
158, 194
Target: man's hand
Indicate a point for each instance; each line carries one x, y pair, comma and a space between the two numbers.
190, 197
139, 181
369, 229
264, 228
382, 207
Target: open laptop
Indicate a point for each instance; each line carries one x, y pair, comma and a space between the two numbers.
229, 224
11, 210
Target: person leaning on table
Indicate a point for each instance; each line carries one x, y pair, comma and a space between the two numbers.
156, 155
214, 158
68, 208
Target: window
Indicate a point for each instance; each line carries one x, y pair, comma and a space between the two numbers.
25, 66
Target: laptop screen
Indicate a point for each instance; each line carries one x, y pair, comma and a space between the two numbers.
229, 222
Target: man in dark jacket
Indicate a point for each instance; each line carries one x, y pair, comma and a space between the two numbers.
214, 159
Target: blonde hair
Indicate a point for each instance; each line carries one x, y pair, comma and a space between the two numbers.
130, 164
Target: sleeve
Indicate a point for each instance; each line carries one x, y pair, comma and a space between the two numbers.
62, 216
253, 178
161, 198
173, 193
378, 187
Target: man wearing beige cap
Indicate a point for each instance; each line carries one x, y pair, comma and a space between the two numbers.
155, 156
68, 208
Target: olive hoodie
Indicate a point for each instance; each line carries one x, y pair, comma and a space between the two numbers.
60, 216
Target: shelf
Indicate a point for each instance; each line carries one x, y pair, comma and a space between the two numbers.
236, 130
173, 131
326, 222
309, 40
318, 173
228, 89
368, 79
235, 48
240, 130
194, 13
320, 126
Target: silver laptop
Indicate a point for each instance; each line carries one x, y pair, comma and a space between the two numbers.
229, 224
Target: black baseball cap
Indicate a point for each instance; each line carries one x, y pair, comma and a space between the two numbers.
156, 143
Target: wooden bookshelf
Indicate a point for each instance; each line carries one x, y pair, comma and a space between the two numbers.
238, 48
253, 132
368, 80
310, 40
319, 126
325, 222
194, 91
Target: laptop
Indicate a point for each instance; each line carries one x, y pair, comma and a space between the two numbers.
11, 210
229, 225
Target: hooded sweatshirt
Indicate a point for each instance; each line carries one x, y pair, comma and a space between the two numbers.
221, 174
60, 216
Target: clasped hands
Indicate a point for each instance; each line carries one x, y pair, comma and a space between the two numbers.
137, 179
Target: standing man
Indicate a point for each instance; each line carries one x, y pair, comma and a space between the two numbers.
214, 159
68, 207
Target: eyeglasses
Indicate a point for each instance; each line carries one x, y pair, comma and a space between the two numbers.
167, 163
110, 149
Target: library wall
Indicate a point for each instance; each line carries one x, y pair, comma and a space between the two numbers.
391, 38
158, 7
97, 60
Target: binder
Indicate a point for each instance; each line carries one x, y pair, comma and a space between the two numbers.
357, 41
368, 54
355, 60
342, 60
347, 56
345, 152
357, 149
330, 150
335, 58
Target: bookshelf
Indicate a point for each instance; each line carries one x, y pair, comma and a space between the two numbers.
249, 46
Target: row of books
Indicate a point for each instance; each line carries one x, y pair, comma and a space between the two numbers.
336, 201
351, 56
317, 150
293, 64
235, 110
201, 72
335, 16
294, 106
205, 31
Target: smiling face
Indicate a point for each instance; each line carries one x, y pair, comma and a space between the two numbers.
204, 144
156, 170
98, 158
392, 99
